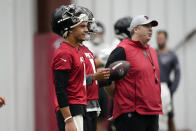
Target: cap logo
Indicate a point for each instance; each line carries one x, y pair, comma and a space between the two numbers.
146, 17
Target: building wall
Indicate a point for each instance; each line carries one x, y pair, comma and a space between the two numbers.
185, 107
16, 68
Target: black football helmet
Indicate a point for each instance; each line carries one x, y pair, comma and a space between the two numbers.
66, 17
100, 27
91, 20
121, 28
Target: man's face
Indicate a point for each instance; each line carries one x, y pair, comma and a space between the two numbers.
80, 31
144, 32
161, 40
97, 38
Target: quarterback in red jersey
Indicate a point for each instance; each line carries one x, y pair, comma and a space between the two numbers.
69, 67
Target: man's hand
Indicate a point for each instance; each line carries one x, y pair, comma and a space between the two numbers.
102, 74
2, 101
70, 126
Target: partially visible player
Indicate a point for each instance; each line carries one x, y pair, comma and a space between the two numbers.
168, 63
121, 32
97, 45
2, 101
121, 28
101, 52
93, 108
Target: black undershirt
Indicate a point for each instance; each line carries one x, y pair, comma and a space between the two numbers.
61, 81
116, 55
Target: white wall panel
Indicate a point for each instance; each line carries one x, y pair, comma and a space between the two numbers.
180, 97
121, 9
23, 51
157, 10
86, 3
190, 16
105, 13
185, 97
191, 83
176, 21
140, 7
7, 114
16, 69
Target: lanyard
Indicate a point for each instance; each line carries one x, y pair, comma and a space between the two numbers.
152, 63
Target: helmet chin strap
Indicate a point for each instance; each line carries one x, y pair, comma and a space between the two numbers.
65, 34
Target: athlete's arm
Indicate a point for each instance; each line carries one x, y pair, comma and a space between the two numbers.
89, 79
116, 55
2, 101
98, 63
176, 80
61, 81
100, 75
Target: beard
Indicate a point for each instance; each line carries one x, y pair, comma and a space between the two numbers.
161, 46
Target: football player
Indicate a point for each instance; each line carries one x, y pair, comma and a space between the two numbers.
68, 65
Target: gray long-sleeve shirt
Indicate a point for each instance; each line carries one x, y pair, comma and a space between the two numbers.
168, 62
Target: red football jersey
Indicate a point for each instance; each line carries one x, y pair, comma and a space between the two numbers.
92, 90
70, 59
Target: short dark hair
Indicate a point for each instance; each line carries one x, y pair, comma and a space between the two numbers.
164, 32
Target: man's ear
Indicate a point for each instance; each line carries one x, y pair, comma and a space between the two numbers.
135, 29
70, 31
